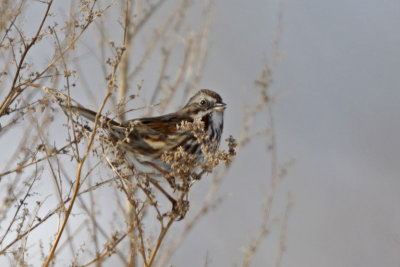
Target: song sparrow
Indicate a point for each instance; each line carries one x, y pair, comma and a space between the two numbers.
145, 140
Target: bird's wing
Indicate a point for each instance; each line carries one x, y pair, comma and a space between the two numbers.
163, 126
155, 133
145, 134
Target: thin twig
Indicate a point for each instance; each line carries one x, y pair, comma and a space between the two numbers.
77, 185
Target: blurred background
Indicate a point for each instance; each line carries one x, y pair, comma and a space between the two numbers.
334, 85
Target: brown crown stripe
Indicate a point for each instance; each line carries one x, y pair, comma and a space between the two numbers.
212, 94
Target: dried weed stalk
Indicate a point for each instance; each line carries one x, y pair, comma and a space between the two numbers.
55, 176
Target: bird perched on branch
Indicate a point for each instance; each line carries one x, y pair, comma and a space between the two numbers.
145, 142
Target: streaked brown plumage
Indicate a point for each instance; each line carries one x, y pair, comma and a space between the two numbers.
148, 138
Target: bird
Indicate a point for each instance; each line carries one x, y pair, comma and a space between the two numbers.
145, 140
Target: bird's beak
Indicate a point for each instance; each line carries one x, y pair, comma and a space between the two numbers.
219, 106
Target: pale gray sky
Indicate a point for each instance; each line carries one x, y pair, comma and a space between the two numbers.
337, 114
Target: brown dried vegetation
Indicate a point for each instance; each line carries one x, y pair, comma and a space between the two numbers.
54, 178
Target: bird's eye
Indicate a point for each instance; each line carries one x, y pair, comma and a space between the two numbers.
203, 102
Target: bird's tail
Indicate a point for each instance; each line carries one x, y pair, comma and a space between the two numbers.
89, 114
